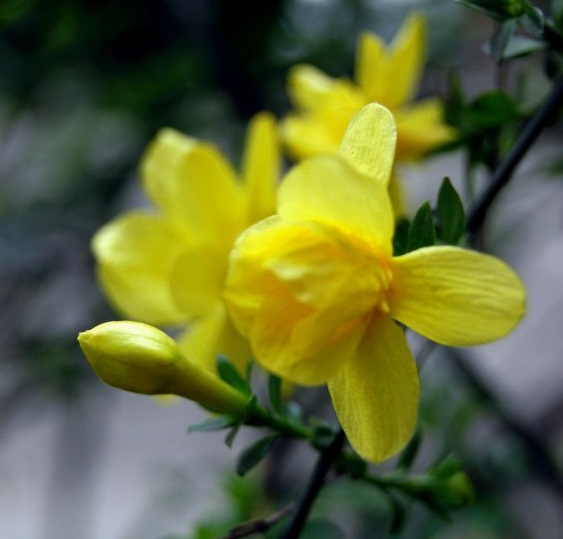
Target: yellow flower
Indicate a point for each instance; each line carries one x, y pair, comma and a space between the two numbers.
166, 267
386, 75
140, 358
317, 290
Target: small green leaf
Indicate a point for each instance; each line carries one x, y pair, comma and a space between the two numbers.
401, 236
422, 232
274, 393
231, 435
501, 39
213, 424
533, 22
492, 109
520, 46
451, 214
252, 455
231, 375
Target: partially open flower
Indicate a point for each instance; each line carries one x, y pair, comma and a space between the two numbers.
140, 358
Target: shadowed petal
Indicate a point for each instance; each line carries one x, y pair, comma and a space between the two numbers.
376, 391
455, 296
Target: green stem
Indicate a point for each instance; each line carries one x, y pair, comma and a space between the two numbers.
308, 496
260, 417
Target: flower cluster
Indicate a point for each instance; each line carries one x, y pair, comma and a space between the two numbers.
307, 286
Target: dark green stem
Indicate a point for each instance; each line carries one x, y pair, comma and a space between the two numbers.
479, 209
324, 464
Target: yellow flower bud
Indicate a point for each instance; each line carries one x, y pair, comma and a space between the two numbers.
140, 358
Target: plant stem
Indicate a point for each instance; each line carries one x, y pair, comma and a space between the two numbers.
308, 496
479, 209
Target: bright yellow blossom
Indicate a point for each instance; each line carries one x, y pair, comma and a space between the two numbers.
166, 267
386, 75
317, 290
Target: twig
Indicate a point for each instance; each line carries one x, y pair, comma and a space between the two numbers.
316, 481
258, 525
478, 210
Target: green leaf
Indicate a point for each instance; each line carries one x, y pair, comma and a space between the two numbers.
213, 424
501, 38
533, 22
274, 393
520, 46
451, 214
252, 455
231, 435
398, 514
231, 375
491, 110
422, 232
497, 9
401, 236
557, 10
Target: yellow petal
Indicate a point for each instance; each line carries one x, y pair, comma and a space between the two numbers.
280, 274
213, 335
308, 87
261, 167
299, 344
327, 189
376, 392
406, 60
455, 296
391, 75
135, 254
193, 184
370, 63
369, 142
421, 127
197, 277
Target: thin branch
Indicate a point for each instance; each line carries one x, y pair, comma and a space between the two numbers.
478, 210
308, 496
258, 525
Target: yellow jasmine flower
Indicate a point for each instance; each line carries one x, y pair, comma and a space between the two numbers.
166, 266
317, 290
386, 75
140, 358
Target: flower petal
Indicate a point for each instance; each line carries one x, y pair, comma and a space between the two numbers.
309, 88
197, 278
454, 296
329, 190
421, 127
390, 75
213, 335
261, 167
369, 142
376, 392
135, 253
193, 184
299, 344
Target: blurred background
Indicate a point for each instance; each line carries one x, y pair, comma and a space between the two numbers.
84, 85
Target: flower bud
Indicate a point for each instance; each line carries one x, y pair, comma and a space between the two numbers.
140, 358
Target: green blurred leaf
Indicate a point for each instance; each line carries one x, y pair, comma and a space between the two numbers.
231, 435
231, 375
398, 514
401, 236
407, 456
501, 38
451, 214
213, 424
274, 393
533, 22
500, 10
422, 232
520, 46
253, 454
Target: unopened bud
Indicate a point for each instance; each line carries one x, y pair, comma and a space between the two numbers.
140, 358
